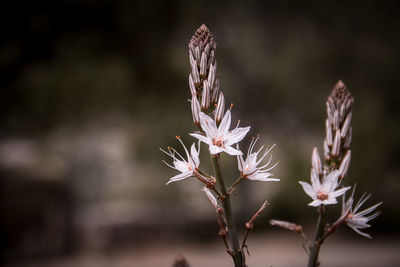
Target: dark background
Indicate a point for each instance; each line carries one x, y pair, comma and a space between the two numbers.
91, 89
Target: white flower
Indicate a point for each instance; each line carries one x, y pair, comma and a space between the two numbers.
186, 167
357, 220
220, 139
249, 168
326, 192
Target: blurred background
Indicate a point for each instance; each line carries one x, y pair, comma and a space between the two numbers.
90, 90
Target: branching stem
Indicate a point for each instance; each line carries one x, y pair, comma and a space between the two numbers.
237, 256
319, 233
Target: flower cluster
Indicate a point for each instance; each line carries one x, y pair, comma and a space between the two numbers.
213, 122
326, 178
214, 130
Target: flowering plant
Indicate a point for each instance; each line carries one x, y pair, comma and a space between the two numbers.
214, 130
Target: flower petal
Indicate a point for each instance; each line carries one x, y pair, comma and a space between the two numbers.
308, 189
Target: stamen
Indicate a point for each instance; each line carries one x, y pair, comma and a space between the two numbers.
322, 196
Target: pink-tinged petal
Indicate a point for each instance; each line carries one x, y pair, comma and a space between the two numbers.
308, 189
315, 203
330, 182
201, 137
215, 149
240, 162
179, 177
181, 166
232, 151
329, 201
339, 192
315, 182
225, 123
361, 233
262, 177
208, 125
195, 154
236, 135
370, 209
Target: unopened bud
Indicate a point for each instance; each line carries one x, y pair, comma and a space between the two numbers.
193, 63
212, 74
344, 166
192, 86
342, 112
326, 151
211, 60
205, 97
197, 54
328, 138
219, 112
335, 120
336, 144
203, 64
346, 125
195, 75
316, 162
211, 197
348, 138
215, 92
329, 111
195, 105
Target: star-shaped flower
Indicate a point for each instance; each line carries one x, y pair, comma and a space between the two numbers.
358, 220
249, 168
326, 192
188, 166
220, 139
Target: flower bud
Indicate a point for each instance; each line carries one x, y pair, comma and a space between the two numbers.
192, 86
195, 75
203, 64
326, 151
215, 92
195, 105
205, 97
212, 74
316, 162
336, 120
328, 138
336, 144
219, 112
211, 197
346, 126
344, 166
348, 138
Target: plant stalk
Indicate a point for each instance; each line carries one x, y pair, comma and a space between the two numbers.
237, 256
316, 245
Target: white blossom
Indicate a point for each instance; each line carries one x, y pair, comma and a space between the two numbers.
325, 192
249, 168
220, 139
358, 220
188, 166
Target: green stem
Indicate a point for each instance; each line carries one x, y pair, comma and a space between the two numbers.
316, 245
237, 256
